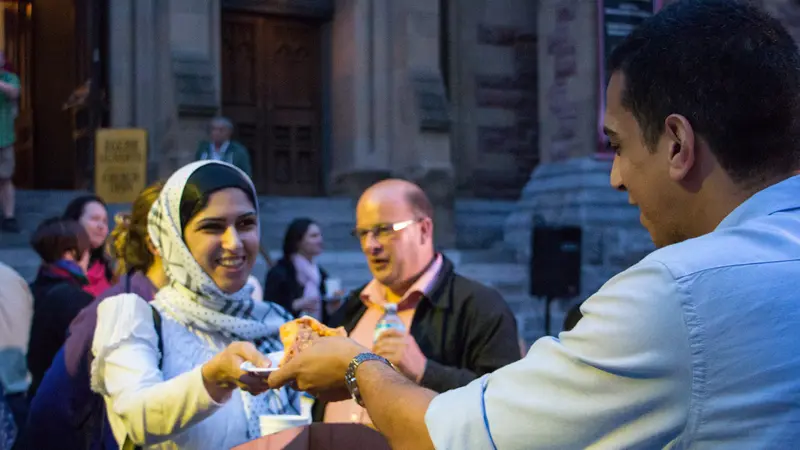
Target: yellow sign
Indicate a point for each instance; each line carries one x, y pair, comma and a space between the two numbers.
120, 164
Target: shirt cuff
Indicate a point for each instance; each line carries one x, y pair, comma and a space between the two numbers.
204, 398
457, 418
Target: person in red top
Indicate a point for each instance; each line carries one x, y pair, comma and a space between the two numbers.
90, 211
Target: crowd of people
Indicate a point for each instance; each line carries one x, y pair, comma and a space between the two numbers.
136, 337
137, 340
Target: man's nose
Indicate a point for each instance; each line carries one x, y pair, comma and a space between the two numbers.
616, 177
371, 245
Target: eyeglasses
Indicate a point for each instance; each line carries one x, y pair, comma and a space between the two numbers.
383, 231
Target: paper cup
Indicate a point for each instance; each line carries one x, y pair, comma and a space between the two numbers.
277, 423
332, 286
306, 403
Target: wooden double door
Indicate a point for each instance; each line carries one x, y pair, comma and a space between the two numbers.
271, 90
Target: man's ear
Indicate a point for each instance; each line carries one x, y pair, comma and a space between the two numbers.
426, 226
681, 139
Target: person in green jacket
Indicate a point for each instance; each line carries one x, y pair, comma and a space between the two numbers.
220, 147
9, 93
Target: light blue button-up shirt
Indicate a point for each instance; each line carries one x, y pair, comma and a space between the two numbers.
697, 346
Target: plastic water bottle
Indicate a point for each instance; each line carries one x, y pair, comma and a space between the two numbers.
389, 321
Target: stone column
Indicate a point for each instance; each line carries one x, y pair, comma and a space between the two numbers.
571, 186
194, 70
360, 149
121, 61
140, 78
385, 87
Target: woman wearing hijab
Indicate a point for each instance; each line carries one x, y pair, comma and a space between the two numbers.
90, 211
205, 227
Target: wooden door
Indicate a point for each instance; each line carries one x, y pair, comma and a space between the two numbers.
271, 91
54, 77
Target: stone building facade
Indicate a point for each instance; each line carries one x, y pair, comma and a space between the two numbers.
331, 95
470, 98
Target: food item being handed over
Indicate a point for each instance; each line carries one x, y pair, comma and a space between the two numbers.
299, 334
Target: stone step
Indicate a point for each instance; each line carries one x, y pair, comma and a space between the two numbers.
349, 266
480, 223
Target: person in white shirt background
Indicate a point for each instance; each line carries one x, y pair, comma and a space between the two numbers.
16, 313
205, 227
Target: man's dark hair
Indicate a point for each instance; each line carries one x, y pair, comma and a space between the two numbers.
56, 236
729, 68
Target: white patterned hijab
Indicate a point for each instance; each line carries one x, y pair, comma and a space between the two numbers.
195, 301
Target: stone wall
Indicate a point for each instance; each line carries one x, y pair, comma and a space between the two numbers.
493, 93
385, 77
571, 186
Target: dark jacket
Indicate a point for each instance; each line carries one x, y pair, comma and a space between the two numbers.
56, 302
66, 414
235, 154
464, 328
281, 286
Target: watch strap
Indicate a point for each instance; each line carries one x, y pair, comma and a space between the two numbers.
350, 375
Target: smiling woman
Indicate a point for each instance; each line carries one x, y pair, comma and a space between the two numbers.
220, 225
205, 227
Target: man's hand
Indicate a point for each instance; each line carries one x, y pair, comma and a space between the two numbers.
223, 373
402, 350
320, 368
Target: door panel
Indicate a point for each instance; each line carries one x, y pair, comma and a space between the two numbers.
271, 91
242, 80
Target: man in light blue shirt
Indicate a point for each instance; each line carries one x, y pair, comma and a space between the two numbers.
696, 346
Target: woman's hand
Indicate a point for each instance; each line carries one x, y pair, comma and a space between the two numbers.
334, 302
223, 373
309, 305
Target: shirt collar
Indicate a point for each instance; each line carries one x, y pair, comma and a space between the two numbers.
782, 196
222, 147
374, 293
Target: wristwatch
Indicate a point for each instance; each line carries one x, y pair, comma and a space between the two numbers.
350, 375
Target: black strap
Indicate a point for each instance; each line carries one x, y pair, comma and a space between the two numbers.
157, 324
129, 445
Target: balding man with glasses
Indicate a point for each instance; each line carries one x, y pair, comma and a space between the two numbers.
458, 329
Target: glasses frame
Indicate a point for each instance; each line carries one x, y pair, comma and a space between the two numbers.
362, 233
